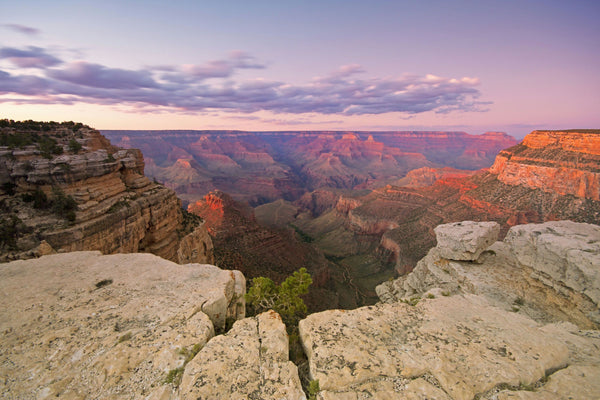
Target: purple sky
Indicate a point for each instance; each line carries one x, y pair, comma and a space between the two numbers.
509, 66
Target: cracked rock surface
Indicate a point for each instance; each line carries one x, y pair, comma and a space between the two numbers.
456, 347
86, 326
248, 362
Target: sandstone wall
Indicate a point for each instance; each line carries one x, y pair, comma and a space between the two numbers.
119, 210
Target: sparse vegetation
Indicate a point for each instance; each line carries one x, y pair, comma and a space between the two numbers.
40, 126
124, 338
174, 376
303, 236
74, 146
190, 222
285, 299
103, 282
9, 188
63, 205
10, 230
519, 301
413, 301
313, 389
49, 147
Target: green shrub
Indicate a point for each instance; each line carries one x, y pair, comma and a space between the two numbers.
63, 205
74, 146
313, 389
49, 147
285, 299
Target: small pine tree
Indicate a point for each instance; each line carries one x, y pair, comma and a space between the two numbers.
285, 299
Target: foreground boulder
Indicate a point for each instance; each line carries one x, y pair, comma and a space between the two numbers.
456, 347
549, 271
82, 325
564, 252
465, 240
249, 362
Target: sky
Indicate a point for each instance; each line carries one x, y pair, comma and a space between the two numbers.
470, 65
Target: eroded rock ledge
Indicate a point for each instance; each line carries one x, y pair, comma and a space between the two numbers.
518, 321
82, 325
119, 210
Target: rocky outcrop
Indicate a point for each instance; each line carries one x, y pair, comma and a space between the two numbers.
114, 208
456, 329
465, 240
249, 362
83, 325
562, 162
455, 347
562, 254
548, 271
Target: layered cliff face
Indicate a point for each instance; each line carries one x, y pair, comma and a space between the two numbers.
66, 190
550, 176
561, 162
259, 167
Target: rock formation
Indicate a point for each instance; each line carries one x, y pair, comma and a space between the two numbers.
248, 362
502, 327
84, 325
520, 321
549, 176
88, 195
259, 167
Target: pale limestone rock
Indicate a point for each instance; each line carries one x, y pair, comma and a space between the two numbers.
248, 362
82, 325
566, 252
513, 285
574, 382
465, 240
460, 345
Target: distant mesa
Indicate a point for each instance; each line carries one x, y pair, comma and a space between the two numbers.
259, 167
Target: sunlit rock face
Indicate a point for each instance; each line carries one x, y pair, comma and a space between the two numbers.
94, 326
118, 209
562, 162
518, 322
549, 176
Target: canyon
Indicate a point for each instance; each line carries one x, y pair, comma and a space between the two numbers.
549, 176
67, 188
259, 167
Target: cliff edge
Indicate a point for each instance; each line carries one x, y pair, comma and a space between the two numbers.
64, 187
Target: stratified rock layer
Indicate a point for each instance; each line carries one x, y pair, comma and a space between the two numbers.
119, 210
82, 325
249, 362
